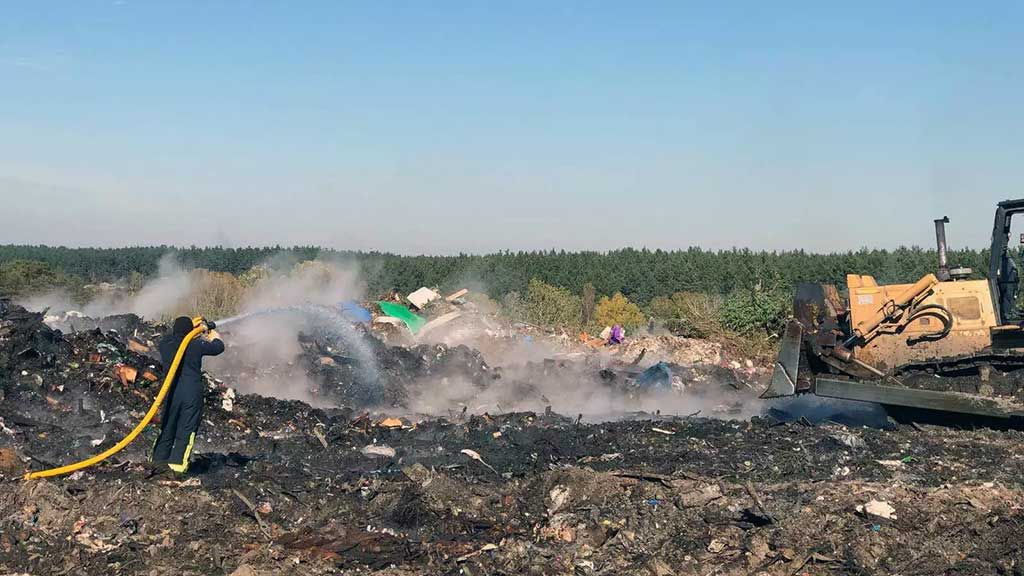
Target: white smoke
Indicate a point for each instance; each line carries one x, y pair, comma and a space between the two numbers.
162, 295
157, 299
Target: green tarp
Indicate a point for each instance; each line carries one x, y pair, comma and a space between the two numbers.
399, 311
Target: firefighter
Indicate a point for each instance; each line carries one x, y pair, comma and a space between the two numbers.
183, 407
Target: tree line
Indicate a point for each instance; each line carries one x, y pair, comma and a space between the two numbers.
639, 274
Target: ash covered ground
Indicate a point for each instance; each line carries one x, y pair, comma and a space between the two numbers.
436, 462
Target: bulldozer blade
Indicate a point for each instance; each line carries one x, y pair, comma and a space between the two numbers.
787, 364
915, 398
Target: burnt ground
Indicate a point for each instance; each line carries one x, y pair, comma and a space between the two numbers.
281, 487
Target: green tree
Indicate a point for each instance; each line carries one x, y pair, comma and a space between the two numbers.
588, 304
756, 311
548, 305
618, 310
254, 275
136, 280
25, 277
689, 314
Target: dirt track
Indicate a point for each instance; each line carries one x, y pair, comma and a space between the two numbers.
552, 496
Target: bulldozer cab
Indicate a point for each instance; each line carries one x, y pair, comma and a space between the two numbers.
1003, 274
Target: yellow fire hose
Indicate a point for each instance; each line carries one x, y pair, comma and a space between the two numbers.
200, 327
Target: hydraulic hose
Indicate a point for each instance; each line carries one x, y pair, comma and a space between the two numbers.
168, 380
937, 310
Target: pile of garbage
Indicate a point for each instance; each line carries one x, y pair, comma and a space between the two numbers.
279, 486
674, 349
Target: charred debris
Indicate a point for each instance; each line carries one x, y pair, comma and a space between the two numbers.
363, 484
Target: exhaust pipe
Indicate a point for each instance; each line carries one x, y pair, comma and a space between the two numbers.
940, 241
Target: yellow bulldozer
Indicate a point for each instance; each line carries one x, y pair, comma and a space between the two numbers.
946, 343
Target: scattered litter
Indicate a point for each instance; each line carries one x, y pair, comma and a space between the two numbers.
878, 508
126, 374
319, 434
420, 298
387, 320
9, 462
137, 347
717, 546
439, 321
602, 458
456, 295
657, 377
411, 320
354, 312
557, 498
617, 335
475, 456
850, 440
379, 450
701, 496
484, 548
227, 399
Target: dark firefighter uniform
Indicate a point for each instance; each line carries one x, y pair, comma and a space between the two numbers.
183, 407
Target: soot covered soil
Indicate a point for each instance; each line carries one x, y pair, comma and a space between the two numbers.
282, 487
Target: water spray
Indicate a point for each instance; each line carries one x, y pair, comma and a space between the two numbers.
330, 321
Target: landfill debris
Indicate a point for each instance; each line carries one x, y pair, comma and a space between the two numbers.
476, 456
411, 320
388, 320
227, 399
9, 462
375, 450
126, 374
363, 480
658, 376
558, 497
456, 296
701, 496
420, 298
717, 546
138, 347
354, 312
438, 322
878, 508
675, 350
849, 440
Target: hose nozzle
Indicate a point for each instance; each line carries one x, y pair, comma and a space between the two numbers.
206, 324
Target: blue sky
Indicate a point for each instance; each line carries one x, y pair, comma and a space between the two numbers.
445, 127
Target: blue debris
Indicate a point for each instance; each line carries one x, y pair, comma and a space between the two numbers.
658, 376
354, 312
